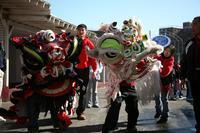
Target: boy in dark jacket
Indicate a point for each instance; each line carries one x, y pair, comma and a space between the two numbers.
190, 67
2, 66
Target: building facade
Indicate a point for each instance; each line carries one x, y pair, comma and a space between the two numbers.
24, 18
178, 36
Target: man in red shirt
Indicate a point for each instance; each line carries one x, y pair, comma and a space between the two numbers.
82, 67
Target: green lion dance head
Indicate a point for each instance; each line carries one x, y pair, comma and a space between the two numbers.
116, 50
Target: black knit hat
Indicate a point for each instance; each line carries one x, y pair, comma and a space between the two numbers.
81, 26
196, 19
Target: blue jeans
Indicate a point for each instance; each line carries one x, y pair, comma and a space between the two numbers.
161, 101
92, 98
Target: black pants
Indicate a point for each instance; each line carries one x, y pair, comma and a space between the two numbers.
37, 103
34, 103
195, 89
113, 112
84, 75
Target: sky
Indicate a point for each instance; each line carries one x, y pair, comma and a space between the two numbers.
153, 14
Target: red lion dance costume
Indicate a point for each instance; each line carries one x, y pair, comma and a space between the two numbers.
48, 79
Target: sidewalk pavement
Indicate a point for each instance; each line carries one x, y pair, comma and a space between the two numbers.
181, 119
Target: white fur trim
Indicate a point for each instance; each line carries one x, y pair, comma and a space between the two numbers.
187, 47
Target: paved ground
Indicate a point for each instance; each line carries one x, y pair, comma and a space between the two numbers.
181, 120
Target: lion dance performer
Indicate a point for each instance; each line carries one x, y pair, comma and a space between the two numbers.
48, 79
125, 54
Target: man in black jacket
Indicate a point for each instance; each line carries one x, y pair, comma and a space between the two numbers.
2, 66
2, 58
190, 68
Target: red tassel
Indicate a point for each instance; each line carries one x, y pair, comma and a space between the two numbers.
64, 117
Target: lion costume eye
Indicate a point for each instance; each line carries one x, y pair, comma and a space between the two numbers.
114, 54
111, 55
128, 52
138, 47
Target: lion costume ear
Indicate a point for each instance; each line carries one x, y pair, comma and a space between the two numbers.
109, 28
18, 42
130, 22
125, 22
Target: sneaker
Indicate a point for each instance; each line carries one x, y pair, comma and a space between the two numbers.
157, 115
182, 97
89, 106
96, 106
174, 98
81, 117
2, 119
162, 120
132, 130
